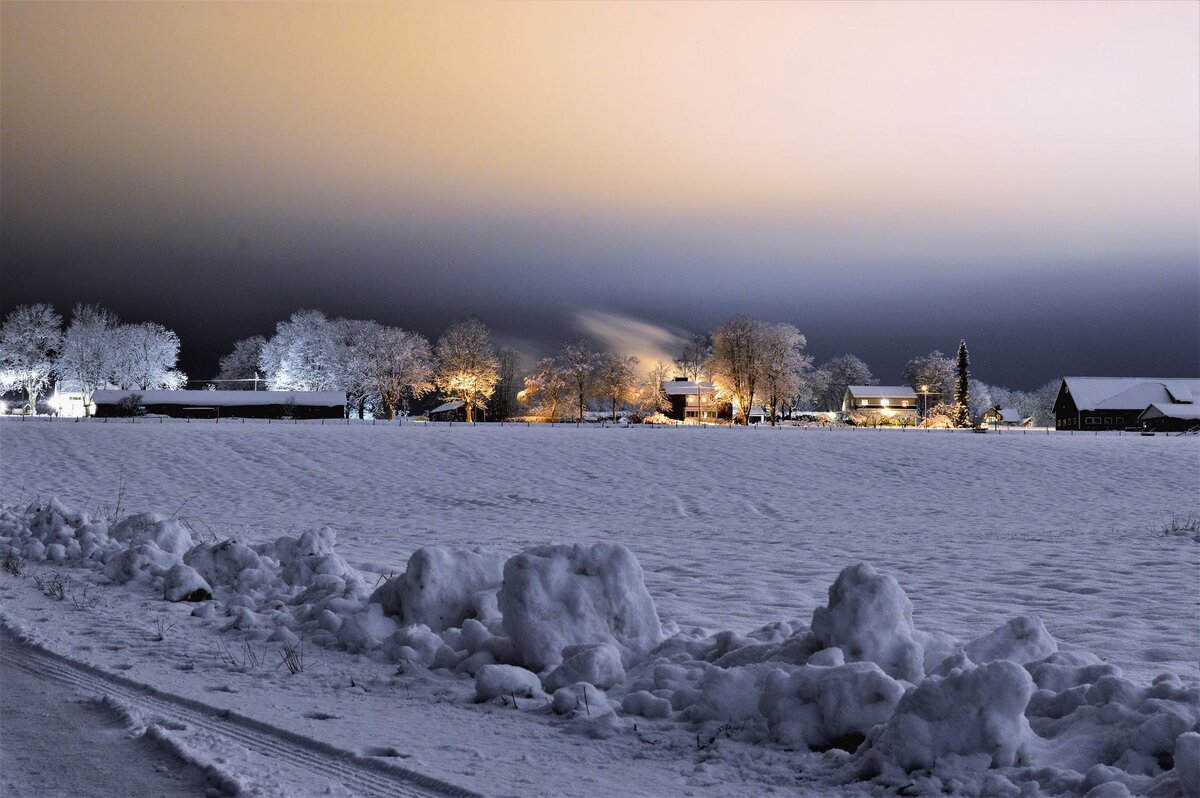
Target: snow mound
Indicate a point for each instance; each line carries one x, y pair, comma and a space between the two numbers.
828, 707
560, 595
183, 583
976, 713
493, 681
1023, 639
598, 664
870, 619
440, 587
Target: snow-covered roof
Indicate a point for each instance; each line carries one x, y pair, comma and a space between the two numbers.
689, 387
453, 404
1124, 393
1180, 411
1010, 415
225, 398
881, 392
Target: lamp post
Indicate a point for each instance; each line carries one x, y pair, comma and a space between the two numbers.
925, 402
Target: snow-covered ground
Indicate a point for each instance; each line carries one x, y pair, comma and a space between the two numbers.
734, 529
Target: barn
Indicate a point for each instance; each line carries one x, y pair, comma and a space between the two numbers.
221, 404
1110, 403
1180, 417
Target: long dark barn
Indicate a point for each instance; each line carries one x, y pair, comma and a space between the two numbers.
221, 404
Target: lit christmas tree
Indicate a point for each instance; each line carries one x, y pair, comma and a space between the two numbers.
962, 394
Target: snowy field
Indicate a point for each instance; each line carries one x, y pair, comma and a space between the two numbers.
734, 529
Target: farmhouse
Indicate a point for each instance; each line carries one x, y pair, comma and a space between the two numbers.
1107, 403
695, 401
1007, 417
883, 401
221, 404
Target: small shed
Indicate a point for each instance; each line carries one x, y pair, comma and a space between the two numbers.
454, 410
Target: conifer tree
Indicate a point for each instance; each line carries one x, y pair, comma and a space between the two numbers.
962, 392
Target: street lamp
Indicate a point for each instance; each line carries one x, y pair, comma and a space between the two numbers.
925, 403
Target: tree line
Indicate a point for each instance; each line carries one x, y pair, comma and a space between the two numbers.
750, 364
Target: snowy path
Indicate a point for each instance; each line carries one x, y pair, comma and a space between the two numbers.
292, 763
42, 721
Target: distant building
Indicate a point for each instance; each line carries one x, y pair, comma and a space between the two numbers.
695, 401
221, 404
1007, 417
1107, 403
454, 410
880, 400
1175, 417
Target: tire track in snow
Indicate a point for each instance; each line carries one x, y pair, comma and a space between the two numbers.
358, 774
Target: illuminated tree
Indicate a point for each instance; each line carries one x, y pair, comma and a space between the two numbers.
616, 379
466, 365
302, 355
962, 391
146, 357
649, 396
88, 359
579, 363
545, 387
736, 362
30, 339
783, 366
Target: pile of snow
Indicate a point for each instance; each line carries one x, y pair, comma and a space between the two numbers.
574, 629
561, 595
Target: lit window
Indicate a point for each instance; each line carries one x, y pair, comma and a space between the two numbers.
883, 402
862, 402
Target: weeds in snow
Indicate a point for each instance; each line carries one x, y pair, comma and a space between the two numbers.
1181, 525
52, 586
292, 658
161, 627
85, 599
243, 657
13, 564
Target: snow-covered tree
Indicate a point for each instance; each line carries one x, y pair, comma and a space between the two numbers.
736, 363
692, 356
545, 388
239, 369
932, 376
146, 355
784, 364
88, 359
982, 398
391, 364
579, 363
466, 365
1040, 403
30, 340
649, 397
302, 355
962, 390
830, 381
616, 379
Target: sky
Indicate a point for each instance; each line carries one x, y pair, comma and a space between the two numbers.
889, 177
